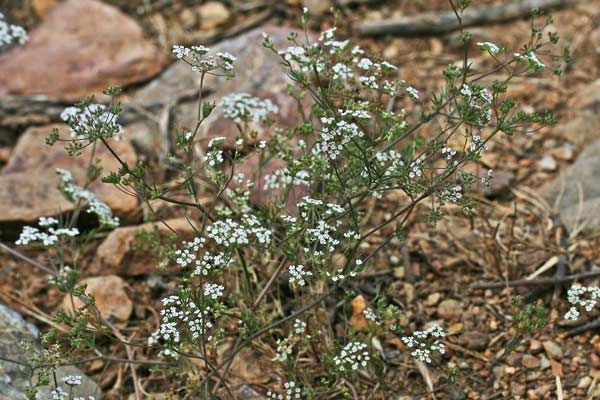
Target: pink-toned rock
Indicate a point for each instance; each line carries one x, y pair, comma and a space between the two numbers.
81, 47
118, 253
109, 294
28, 183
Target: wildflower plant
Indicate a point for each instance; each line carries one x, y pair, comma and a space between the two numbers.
351, 147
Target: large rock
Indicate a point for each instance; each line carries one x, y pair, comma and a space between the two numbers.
28, 183
120, 254
580, 178
109, 295
14, 377
81, 46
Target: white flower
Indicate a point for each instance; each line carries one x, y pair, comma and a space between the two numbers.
412, 93
425, 342
95, 206
490, 47
299, 327
581, 296
297, 275
243, 107
532, 61
352, 357
11, 33
72, 380
213, 291
90, 122
365, 64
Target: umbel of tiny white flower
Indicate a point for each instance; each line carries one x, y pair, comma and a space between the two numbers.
49, 237
585, 297
353, 356
95, 206
425, 342
200, 61
10, 33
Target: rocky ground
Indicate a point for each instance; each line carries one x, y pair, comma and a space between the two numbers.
545, 187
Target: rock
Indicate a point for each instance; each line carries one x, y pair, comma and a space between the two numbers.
41, 7
553, 350
433, 299
317, 8
147, 139
548, 163
82, 46
118, 253
530, 362
28, 183
357, 306
588, 98
580, 129
584, 382
212, 15
474, 340
535, 346
582, 174
247, 392
450, 309
15, 378
109, 294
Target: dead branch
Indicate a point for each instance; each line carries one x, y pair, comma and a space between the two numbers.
435, 23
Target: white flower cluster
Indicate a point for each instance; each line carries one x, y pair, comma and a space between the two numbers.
95, 120
416, 168
477, 104
370, 314
353, 356
448, 153
338, 275
531, 60
48, 238
490, 47
453, 193
284, 349
391, 160
342, 72
299, 327
486, 180
95, 206
315, 212
297, 275
188, 252
60, 394
425, 342
212, 262
581, 296
231, 233
244, 107
72, 380
282, 177
197, 57
213, 290
334, 135
214, 157
291, 392
10, 33
176, 314
477, 143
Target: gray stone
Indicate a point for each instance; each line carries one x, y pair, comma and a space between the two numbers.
15, 377
579, 178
